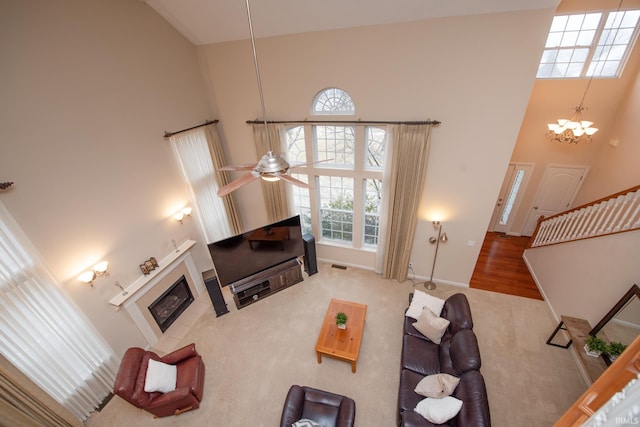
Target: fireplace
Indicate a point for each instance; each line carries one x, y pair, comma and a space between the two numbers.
168, 306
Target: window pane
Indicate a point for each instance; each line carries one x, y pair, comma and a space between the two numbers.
372, 198
336, 145
613, 44
375, 147
302, 202
336, 208
296, 151
333, 101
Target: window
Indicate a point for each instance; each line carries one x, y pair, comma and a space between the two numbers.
344, 203
589, 44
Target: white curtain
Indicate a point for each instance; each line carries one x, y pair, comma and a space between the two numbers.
43, 334
194, 157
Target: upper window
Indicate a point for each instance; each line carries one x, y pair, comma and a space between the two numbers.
333, 101
589, 44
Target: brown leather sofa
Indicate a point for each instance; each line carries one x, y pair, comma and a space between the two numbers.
457, 354
323, 407
189, 383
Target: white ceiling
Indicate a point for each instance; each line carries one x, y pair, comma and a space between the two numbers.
214, 21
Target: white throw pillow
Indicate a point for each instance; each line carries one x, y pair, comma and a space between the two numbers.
306, 423
160, 377
439, 411
437, 385
431, 326
421, 300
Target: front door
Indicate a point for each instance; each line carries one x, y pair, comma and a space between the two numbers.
513, 187
557, 191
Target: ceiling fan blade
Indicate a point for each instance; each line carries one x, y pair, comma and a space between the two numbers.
309, 164
245, 167
234, 185
294, 181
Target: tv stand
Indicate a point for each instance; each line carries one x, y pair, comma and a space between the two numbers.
257, 286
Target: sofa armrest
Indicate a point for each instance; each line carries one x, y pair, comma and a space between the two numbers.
167, 404
180, 354
292, 406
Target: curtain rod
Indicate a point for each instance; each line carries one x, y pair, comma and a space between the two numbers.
208, 122
354, 122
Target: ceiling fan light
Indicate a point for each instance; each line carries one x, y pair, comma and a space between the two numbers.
270, 178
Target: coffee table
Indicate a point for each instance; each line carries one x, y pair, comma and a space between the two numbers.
342, 344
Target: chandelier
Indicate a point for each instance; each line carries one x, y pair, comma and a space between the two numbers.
575, 129
572, 130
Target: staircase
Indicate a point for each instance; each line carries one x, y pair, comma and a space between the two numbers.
617, 213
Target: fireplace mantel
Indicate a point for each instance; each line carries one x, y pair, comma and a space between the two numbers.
142, 281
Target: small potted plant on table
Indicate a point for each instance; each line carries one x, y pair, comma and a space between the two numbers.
341, 320
615, 349
595, 346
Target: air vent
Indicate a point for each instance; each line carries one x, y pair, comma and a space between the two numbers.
339, 267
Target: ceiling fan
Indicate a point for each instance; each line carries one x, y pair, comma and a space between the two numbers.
272, 166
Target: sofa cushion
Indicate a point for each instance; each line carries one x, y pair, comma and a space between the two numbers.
456, 310
431, 326
437, 386
407, 397
439, 411
464, 352
419, 355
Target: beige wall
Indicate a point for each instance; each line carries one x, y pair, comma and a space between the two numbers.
586, 278
88, 88
453, 70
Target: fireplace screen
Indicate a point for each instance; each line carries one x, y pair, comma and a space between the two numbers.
168, 307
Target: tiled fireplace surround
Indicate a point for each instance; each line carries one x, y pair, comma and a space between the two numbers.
145, 290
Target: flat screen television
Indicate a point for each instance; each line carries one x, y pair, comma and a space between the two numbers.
256, 250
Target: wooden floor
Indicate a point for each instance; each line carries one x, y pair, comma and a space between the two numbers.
500, 267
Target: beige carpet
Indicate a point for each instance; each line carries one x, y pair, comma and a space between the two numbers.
252, 356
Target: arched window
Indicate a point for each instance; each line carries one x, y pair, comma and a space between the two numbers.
333, 101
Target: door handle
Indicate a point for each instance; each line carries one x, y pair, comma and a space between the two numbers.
535, 207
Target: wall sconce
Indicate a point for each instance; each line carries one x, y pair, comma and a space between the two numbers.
98, 270
442, 237
182, 213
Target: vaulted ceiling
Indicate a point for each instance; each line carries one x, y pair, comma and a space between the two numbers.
214, 21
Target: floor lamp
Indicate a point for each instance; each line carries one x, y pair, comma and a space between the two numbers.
442, 237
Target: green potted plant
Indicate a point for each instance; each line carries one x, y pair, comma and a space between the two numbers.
615, 349
341, 320
595, 346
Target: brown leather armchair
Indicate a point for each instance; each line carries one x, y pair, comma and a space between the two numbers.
131, 376
323, 407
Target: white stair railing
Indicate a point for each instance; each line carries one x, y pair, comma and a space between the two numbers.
617, 213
